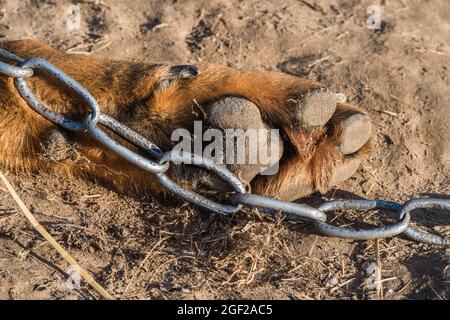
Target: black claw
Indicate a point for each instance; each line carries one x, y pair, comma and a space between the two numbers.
184, 71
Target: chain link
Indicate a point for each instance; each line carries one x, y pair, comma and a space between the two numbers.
194, 197
38, 106
14, 71
420, 236
291, 210
374, 233
25, 69
129, 135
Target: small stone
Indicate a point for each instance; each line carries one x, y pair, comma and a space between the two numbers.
331, 281
365, 266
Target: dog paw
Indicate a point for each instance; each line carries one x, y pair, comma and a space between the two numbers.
333, 138
332, 141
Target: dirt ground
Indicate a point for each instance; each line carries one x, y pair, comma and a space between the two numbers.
144, 249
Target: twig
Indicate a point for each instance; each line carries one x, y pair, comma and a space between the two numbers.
389, 113
313, 246
159, 26
84, 274
379, 280
314, 7
423, 50
141, 265
371, 175
386, 280
404, 287
341, 285
103, 47
166, 263
439, 296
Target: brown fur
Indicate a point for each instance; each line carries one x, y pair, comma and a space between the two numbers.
130, 92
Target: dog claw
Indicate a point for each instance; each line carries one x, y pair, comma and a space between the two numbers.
184, 71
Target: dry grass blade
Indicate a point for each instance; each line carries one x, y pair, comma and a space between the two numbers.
142, 264
379, 274
84, 274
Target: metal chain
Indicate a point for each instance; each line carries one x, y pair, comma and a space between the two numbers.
22, 69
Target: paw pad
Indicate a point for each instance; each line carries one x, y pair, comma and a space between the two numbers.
356, 130
315, 109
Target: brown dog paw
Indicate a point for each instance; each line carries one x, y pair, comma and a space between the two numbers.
328, 149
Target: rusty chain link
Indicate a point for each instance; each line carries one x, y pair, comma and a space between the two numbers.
23, 69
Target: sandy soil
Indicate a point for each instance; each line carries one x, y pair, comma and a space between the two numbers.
140, 248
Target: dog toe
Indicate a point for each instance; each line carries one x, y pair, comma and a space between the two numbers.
355, 132
249, 129
315, 109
